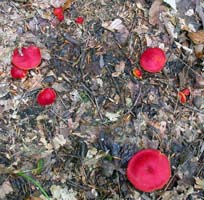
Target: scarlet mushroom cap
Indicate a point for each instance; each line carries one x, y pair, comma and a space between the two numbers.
18, 73
137, 73
182, 97
79, 20
59, 13
29, 59
186, 91
46, 96
60, 17
153, 60
149, 170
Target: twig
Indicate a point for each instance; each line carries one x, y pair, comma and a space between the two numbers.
194, 109
200, 12
115, 84
98, 109
71, 39
188, 66
62, 100
94, 101
58, 116
135, 102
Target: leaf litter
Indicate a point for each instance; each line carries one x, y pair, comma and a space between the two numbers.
103, 114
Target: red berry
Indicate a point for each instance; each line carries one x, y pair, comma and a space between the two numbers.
79, 20
46, 96
18, 73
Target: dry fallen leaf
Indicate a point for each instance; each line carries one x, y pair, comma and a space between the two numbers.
34, 198
154, 12
119, 69
34, 82
113, 116
120, 30
5, 189
199, 183
59, 141
67, 4
57, 3
197, 37
172, 3
199, 50
62, 193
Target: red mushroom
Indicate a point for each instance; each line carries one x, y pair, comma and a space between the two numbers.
79, 20
18, 73
186, 91
59, 13
46, 96
28, 58
183, 95
153, 60
137, 73
149, 170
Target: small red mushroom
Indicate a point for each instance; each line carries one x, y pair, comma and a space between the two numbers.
79, 20
153, 60
186, 91
28, 58
60, 17
183, 95
46, 96
59, 13
149, 170
137, 73
18, 73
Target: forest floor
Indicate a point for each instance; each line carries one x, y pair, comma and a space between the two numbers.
78, 147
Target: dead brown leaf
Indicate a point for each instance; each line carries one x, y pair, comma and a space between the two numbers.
34, 82
199, 183
67, 4
197, 37
199, 50
57, 3
119, 69
5, 189
199, 10
155, 11
34, 198
160, 126
118, 28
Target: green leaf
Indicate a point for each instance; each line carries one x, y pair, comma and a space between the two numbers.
35, 182
40, 165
